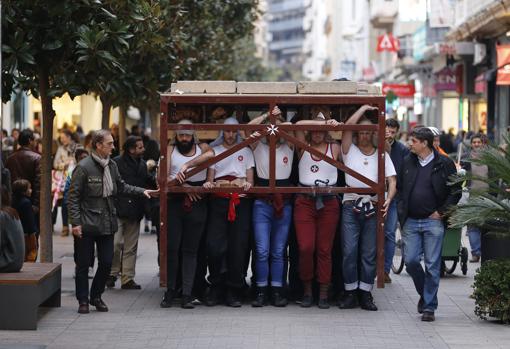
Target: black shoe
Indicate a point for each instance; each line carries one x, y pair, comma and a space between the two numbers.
366, 301
110, 281
307, 301
131, 285
260, 298
277, 298
83, 308
213, 298
167, 300
323, 304
428, 316
186, 302
349, 300
99, 304
233, 299
419, 307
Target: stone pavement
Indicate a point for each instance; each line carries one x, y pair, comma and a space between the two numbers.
135, 319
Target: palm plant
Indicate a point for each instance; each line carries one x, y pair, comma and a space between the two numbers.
489, 210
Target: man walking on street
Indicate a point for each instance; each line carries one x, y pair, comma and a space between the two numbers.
425, 196
130, 211
397, 153
95, 183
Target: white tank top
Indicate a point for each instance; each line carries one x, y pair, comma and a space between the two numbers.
283, 161
311, 170
177, 160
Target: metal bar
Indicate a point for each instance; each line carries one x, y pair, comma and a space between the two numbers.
163, 174
268, 190
329, 160
381, 184
286, 127
272, 149
218, 158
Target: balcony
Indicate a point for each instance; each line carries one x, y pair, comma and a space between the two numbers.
383, 13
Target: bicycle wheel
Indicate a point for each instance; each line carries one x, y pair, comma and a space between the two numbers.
398, 258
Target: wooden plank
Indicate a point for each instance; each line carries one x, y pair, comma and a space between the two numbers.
30, 274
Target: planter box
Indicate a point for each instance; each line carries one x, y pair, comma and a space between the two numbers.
495, 247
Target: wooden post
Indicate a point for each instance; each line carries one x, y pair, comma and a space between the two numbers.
163, 175
381, 185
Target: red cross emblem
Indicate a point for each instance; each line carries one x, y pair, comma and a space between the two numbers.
314, 168
285, 160
240, 158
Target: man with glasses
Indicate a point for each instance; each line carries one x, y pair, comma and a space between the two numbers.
425, 197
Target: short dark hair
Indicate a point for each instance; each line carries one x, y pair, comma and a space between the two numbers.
79, 152
67, 132
130, 143
20, 187
476, 135
393, 123
98, 137
25, 137
424, 134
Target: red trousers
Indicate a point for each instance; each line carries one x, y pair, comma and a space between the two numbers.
315, 231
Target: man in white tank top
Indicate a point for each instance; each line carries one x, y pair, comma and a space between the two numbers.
359, 219
187, 214
228, 225
316, 217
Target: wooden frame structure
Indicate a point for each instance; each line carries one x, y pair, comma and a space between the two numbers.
170, 101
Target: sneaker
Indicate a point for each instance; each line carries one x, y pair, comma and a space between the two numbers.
110, 281
387, 278
419, 307
186, 302
428, 316
196, 301
474, 259
307, 301
323, 303
349, 300
131, 285
260, 298
277, 299
99, 304
366, 301
166, 302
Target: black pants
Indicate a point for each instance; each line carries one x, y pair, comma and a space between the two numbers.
185, 230
227, 243
84, 255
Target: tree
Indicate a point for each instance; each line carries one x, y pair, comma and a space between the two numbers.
40, 42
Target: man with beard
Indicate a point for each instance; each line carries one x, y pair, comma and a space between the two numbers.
95, 183
130, 211
359, 218
228, 227
187, 215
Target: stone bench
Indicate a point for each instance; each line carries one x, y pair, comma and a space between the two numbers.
21, 294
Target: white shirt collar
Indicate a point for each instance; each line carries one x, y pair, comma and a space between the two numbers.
427, 160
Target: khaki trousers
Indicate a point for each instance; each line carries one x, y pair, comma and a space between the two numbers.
125, 246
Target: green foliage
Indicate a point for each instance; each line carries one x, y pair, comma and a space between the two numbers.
492, 290
490, 210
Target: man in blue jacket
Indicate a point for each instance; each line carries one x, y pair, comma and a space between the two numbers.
425, 197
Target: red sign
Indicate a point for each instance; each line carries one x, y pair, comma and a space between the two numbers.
480, 84
503, 64
387, 42
400, 90
459, 77
446, 80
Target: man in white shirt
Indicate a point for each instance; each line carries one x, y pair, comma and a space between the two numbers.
359, 218
229, 222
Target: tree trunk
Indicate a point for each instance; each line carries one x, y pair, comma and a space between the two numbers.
122, 125
46, 224
107, 106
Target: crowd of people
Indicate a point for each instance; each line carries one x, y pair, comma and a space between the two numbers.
314, 248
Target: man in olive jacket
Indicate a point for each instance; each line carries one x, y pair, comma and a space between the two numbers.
95, 183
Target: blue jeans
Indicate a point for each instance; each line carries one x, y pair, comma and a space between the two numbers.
424, 236
271, 235
475, 240
359, 234
390, 226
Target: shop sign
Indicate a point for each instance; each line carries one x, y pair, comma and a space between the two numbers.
480, 84
400, 90
480, 53
387, 42
446, 80
454, 48
406, 102
503, 52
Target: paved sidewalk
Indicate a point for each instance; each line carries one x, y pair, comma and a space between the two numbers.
135, 319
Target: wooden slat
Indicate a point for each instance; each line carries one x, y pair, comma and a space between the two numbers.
30, 274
